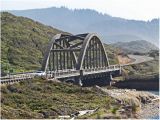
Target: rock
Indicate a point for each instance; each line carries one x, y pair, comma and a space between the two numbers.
47, 114
128, 97
133, 101
99, 90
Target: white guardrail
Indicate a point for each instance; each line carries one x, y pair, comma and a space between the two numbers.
58, 74
73, 72
15, 78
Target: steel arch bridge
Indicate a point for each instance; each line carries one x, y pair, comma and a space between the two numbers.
77, 56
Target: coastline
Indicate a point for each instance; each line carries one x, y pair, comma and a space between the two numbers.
146, 104
149, 111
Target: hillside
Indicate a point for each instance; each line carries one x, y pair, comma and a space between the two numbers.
48, 99
140, 46
41, 99
112, 29
24, 41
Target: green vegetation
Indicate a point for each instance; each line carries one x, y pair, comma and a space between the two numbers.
47, 99
150, 67
112, 53
143, 71
114, 110
23, 42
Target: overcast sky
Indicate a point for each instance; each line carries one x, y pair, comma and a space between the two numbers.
130, 9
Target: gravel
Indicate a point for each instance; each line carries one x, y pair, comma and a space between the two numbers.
150, 111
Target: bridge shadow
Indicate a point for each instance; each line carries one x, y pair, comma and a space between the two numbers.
96, 81
89, 80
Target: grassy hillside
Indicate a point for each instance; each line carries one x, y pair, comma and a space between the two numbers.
112, 53
144, 69
48, 99
23, 42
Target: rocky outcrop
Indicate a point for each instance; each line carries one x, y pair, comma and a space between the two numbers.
125, 95
133, 102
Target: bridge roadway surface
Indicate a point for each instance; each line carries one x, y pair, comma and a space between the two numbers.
60, 74
71, 73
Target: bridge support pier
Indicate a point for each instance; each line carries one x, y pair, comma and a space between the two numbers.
102, 79
78, 79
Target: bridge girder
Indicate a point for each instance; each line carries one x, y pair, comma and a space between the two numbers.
82, 51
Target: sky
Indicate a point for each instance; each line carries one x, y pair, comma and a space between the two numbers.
129, 9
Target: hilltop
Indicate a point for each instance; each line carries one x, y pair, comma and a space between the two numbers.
140, 46
112, 29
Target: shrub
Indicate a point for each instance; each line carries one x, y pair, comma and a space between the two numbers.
114, 110
12, 88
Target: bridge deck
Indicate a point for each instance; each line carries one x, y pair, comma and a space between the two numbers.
15, 78
72, 73
61, 74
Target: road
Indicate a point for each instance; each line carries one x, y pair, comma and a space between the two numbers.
138, 59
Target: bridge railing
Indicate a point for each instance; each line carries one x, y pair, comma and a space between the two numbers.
72, 72
62, 73
14, 78
109, 68
59, 74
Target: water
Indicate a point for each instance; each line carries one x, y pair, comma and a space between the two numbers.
156, 93
156, 117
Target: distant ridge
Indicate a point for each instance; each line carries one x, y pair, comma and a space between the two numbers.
112, 29
141, 46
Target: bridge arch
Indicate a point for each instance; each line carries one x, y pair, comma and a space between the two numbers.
82, 51
92, 40
47, 52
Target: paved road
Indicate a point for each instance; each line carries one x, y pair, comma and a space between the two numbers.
138, 59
